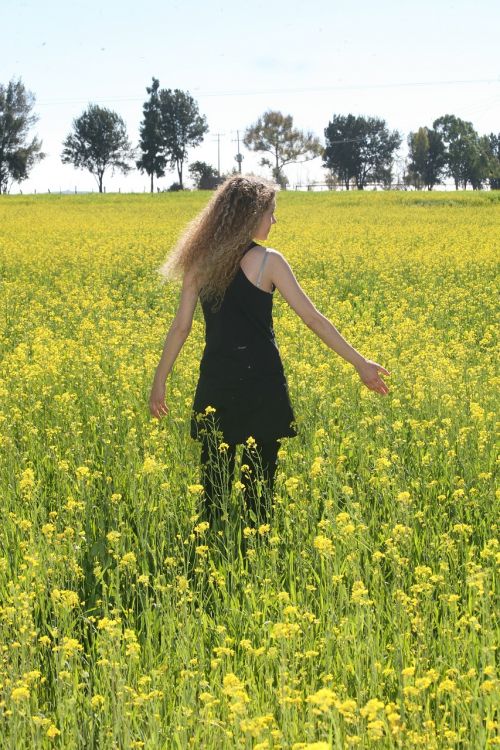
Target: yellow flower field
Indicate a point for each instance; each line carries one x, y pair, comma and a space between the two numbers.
365, 614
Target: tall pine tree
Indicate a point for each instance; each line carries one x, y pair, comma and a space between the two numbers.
151, 143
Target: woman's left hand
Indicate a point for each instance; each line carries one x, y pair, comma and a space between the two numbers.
157, 405
368, 371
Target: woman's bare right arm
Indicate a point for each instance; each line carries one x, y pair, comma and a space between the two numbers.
284, 280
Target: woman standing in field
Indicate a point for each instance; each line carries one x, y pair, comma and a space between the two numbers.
242, 394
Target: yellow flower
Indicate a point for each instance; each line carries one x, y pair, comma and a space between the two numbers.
207, 698
371, 708
408, 671
375, 729
113, 536
359, 594
404, 498
27, 483
284, 629
292, 483
35, 674
347, 708
324, 545
133, 650
113, 627
65, 597
150, 465
448, 686
70, 646
128, 560
182, 583
257, 725
488, 686
97, 701
317, 466
20, 693
234, 688
421, 683
323, 698
201, 527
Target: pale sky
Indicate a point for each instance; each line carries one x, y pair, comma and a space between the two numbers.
406, 62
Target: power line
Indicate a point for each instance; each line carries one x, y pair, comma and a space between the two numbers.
340, 87
350, 87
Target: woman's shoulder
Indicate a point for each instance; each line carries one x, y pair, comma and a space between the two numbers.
272, 252
278, 268
275, 258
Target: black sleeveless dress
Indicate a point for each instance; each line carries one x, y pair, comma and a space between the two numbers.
241, 373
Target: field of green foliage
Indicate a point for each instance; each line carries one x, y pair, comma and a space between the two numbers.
365, 614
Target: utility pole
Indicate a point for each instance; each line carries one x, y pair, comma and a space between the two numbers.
218, 152
238, 157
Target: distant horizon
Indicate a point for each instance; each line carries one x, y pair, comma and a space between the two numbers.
381, 60
448, 187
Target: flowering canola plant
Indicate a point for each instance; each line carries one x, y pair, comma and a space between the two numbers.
364, 612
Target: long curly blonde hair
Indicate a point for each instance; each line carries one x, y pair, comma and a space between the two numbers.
213, 242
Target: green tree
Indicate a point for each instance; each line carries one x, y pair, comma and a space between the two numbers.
182, 126
17, 155
436, 160
427, 158
493, 151
418, 144
274, 133
360, 149
98, 141
153, 160
342, 154
481, 163
205, 176
462, 149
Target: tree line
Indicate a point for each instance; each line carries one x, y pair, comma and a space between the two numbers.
358, 150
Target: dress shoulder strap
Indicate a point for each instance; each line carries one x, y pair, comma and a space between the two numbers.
261, 269
249, 247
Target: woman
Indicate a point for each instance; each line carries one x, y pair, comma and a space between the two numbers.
242, 393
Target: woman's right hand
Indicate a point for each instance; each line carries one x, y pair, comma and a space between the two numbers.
368, 372
157, 405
